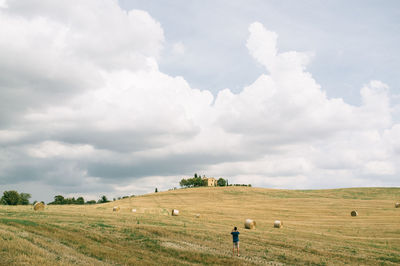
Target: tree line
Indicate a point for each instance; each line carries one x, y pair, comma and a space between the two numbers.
12, 197
60, 200
198, 181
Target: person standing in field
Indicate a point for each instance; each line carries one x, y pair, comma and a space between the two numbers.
235, 236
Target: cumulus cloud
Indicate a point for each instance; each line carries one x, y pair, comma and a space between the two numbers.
85, 109
53, 51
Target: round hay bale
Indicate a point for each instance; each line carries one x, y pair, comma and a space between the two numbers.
198, 215
133, 210
354, 213
116, 208
278, 224
39, 206
250, 224
175, 212
397, 205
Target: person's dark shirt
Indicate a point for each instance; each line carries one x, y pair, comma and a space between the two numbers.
235, 236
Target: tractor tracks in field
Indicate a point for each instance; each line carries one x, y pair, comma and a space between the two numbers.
183, 245
56, 251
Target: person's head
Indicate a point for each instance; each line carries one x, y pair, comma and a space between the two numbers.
235, 228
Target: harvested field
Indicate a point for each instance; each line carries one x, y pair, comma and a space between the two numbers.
318, 229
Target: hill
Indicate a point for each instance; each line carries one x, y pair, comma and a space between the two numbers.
318, 229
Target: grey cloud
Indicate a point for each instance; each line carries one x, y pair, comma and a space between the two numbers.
165, 166
121, 140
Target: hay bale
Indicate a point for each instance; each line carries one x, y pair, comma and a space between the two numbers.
250, 224
198, 215
354, 213
116, 208
39, 206
278, 224
133, 210
397, 205
175, 212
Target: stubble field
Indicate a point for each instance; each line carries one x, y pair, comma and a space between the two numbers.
318, 229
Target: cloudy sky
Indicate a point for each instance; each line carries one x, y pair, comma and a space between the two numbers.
120, 97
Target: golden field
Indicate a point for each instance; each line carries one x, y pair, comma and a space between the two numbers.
318, 229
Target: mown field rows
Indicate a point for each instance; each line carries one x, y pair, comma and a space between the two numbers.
318, 229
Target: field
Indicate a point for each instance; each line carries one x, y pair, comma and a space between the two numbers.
318, 229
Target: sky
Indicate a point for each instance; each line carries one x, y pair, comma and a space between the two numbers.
120, 97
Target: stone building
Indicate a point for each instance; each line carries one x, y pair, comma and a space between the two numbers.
210, 181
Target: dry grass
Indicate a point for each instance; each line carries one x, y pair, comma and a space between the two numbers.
318, 229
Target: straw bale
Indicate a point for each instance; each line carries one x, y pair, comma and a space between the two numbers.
250, 224
175, 212
116, 208
354, 213
39, 206
278, 224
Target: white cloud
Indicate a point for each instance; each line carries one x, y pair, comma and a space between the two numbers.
262, 45
178, 49
10, 136
88, 110
380, 168
51, 52
51, 149
286, 114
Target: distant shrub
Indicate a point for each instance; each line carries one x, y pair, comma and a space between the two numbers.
24, 198
80, 201
60, 200
196, 181
103, 199
221, 182
12, 197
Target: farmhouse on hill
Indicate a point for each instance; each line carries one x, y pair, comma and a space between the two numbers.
210, 181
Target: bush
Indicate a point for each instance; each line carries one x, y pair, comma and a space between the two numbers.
196, 181
12, 197
24, 198
80, 200
60, 200
221, 182
103, 199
